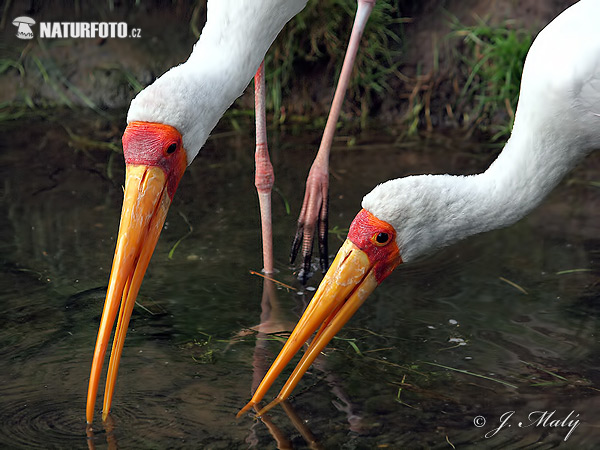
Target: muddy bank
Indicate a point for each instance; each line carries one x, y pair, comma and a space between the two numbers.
422, 89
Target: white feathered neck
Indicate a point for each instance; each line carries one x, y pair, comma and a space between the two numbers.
557, 123
193, 96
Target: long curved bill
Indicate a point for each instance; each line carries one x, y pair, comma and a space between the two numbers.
145, 207
345, 287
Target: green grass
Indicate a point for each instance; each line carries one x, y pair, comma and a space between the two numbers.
316, 40
312, 45
12, 63
44, 83
303, 66
492, 59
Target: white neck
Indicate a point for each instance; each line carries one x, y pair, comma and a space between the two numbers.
519, 179
557, 123
433, 211
193, 96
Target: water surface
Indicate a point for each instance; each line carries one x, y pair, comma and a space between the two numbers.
519, 306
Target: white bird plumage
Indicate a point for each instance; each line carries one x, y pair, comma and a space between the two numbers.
168, 123
193, 96
557, 123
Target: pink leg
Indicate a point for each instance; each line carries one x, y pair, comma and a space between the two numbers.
315, 208
264, 169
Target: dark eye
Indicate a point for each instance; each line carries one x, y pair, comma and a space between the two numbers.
171, 148
382, 238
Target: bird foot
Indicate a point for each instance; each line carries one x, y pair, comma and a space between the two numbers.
313, 217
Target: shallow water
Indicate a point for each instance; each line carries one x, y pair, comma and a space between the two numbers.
191, 356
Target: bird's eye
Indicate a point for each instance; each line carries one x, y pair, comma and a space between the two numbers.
380, 239
171, 148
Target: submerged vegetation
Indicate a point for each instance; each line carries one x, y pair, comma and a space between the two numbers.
303, 64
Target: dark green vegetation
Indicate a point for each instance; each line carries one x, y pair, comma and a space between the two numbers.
312, 47
389, 84
493, 58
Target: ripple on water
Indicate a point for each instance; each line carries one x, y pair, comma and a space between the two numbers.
46, 421
164, 404
35, 418
172, 420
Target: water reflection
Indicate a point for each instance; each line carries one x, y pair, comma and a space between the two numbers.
60, 217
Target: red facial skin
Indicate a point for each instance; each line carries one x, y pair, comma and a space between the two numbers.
364, 232
158, 145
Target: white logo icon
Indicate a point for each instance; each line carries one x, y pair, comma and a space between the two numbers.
23, 24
